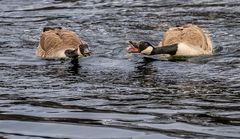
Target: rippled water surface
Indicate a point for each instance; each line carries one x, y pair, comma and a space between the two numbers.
113, 94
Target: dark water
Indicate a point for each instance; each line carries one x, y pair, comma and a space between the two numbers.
113, 94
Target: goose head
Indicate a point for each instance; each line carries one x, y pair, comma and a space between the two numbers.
82, 51
140, 47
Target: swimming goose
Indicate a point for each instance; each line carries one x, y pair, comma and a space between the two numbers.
58, 43
187, 40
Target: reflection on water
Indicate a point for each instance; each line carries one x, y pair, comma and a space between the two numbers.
113, 94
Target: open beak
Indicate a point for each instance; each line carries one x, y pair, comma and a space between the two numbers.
133, 47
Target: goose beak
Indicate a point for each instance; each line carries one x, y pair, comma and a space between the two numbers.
84, 50
133, 47
87, 52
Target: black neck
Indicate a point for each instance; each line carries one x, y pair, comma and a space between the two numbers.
169, 49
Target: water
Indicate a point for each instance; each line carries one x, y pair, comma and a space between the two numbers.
113, 94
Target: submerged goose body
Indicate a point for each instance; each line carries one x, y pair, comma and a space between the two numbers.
187, 40
61, 43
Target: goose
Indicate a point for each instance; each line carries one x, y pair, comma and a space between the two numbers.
186, 40
58, 43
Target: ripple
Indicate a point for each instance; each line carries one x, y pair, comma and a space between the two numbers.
113, 94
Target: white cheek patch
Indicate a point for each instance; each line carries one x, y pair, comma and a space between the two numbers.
147, 51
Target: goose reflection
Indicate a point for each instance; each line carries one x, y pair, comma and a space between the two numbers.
145, 73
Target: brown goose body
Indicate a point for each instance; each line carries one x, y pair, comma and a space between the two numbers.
191, 40
187, 40
54, 42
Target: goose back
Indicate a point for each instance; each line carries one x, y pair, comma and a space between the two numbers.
54, 42
190, 35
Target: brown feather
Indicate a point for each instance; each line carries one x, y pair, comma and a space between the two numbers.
189, 34
54, 42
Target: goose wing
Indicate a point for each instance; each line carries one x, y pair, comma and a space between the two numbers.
172, 36
50, 40
189, 34
69, 38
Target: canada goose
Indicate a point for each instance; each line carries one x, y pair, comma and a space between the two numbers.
187, 40
57, 43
